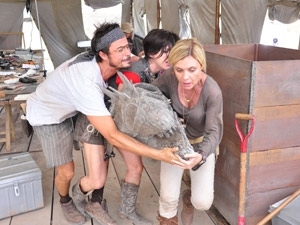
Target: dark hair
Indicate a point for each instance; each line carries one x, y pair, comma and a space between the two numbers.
98, 34
158, 39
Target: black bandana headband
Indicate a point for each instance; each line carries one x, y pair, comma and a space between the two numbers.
109, 38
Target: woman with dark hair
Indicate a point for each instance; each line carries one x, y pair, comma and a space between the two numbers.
157, 45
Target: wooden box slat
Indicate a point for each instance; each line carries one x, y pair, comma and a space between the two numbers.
276, 127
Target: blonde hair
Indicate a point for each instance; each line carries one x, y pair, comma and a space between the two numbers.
188, 47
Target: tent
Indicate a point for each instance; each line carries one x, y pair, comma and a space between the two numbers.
217, 22
212, 22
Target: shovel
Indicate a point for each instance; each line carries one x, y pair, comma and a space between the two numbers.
243, 163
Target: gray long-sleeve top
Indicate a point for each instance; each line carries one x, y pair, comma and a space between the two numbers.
205, 118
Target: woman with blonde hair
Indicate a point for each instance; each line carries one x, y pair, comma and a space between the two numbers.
197, 99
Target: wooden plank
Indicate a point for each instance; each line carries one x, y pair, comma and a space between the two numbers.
228, 164
2, 128
5, 221
2, 94
226, 200
112, 192
148, 193
58, 216
274, 156
215, 217
35, 144
244, 51
270, 168
262, 202
147, 201
276, 84
237, 72
227, 178
152, 168
269, 53
276, 127
230, 109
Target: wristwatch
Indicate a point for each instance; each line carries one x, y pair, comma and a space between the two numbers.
201, 162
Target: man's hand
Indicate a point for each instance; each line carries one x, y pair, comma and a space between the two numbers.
193, 159
169, 155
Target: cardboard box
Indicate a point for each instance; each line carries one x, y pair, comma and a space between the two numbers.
289, 215
20, 185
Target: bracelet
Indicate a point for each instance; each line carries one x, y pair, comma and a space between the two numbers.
201, 162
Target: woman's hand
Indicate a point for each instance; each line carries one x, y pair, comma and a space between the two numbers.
192, 160
169, 155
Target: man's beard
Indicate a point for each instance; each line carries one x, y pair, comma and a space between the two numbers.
119, 66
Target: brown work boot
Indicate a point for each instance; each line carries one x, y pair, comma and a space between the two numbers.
167, 221
187, 212
96, 211
79, 199
72, 214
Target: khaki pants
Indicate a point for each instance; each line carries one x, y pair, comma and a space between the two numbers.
201, 184
186, 175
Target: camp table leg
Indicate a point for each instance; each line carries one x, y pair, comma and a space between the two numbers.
10, 128
9, 133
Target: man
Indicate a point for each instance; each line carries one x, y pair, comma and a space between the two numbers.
74, 87
135, 40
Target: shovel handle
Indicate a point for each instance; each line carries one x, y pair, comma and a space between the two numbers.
244, 138
280, 207
242, 116
243, 169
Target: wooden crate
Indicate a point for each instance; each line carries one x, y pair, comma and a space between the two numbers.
263, 81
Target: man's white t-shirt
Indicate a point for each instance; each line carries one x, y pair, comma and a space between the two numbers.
73, 87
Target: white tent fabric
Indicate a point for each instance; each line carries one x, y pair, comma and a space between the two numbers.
203, 19
14, 14
62, 27
284, 11
151, 6
139, 13
240, 22
245, 23
126, 11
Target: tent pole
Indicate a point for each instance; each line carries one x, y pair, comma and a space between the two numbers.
38, 20
158, 14
217, 25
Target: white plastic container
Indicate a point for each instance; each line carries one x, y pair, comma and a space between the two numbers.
289, 215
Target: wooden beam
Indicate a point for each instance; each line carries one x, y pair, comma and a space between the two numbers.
217, 25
